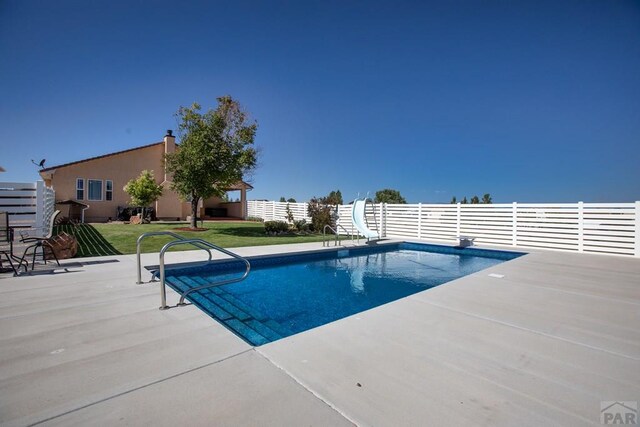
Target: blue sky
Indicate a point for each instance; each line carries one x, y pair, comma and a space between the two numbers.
531, 101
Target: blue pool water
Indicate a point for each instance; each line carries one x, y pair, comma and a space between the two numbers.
286, 295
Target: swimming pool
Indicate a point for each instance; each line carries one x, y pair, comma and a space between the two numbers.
285, 295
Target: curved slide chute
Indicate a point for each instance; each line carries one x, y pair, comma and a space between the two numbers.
360, 221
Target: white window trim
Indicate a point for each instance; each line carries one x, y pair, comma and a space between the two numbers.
108, 191
101, 190
83, 189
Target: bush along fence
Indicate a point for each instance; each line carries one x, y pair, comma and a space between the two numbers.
29, 204
609, 228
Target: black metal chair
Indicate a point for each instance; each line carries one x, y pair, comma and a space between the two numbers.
6, 248
41, 243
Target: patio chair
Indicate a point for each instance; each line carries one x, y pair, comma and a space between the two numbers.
6, 245
41, 243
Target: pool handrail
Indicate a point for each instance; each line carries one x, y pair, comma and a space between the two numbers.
160, 233
337, 242
165, 248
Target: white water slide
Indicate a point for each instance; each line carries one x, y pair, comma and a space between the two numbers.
360, 221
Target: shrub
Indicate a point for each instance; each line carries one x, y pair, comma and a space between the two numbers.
301, 225
255, 219
276, 227
321, 213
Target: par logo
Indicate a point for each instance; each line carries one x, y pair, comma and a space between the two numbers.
619, 412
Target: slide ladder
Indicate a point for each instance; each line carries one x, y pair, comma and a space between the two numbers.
359, 217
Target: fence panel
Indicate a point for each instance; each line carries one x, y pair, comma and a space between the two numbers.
608, 228
276, 211
402, 220
492, 224
346, 221
30, 205
439, 222
553, 226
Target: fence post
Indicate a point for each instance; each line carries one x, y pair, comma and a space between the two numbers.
458, 213
419, 220
381, 219
637, 239
580, 226
514, 224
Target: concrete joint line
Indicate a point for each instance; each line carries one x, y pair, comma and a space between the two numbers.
626, 356
138, 388
316, 395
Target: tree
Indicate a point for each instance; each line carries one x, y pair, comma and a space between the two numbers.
389, 196
288, 214
475, 200
454, 200
486, 199
215, 152
282, 199
143, 190
291, 200
320, 212
334, 198
464, 200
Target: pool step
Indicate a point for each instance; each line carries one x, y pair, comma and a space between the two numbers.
235, 314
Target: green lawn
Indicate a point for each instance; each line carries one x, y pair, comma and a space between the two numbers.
114, 239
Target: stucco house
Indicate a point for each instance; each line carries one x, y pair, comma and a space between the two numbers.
98, 183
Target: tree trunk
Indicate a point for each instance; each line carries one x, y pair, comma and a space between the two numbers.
194, 212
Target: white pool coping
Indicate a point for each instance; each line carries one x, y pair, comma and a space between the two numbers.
543, 344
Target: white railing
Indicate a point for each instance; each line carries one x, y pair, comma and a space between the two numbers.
29, 204
612, 228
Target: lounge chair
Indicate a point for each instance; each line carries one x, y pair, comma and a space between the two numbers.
41, 243
6, 245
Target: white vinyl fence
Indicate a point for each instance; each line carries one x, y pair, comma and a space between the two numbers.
29, 204
612, 228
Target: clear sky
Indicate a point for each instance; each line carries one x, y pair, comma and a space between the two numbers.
531, 101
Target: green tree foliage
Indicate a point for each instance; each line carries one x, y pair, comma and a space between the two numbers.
454, 200
389, 196
143, 190
282, 199
334, 198
486, 199
291, 200
288, 214
320, 212
216, 150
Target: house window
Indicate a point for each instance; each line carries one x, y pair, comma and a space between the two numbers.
95, 189
108, 190
80, 189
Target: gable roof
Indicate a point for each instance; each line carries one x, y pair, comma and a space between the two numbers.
236, 186
99, 157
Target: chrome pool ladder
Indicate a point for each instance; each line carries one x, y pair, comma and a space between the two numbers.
161, 233
199, 242
325, 241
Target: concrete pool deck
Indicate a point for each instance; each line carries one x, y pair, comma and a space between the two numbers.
545, 344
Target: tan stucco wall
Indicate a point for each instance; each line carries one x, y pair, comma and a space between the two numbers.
169, 205
119, 168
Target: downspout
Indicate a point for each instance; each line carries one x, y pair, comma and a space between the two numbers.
84, 209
